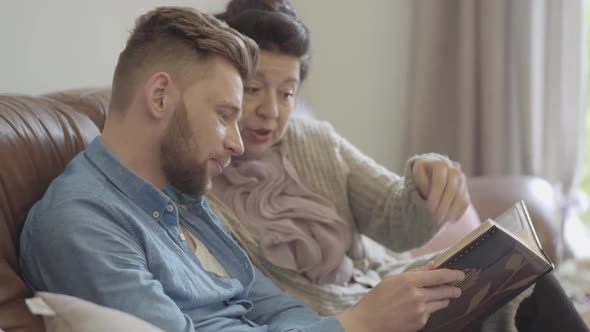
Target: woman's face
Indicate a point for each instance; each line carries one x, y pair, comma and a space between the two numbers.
269, 98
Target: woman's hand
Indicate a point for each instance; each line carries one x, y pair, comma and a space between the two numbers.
443, 187
403, 302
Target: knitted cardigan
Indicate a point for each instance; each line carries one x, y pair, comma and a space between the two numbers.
384, 211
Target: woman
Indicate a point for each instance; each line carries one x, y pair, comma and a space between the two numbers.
339, 193
304, 202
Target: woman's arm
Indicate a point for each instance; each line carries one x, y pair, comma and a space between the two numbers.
386, 207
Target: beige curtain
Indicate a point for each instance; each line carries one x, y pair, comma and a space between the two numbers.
498, 85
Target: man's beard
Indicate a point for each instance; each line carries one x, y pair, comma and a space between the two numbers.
179, 159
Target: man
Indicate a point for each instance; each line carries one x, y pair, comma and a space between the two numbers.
126, 226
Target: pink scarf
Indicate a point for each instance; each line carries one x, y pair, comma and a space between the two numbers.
296, 229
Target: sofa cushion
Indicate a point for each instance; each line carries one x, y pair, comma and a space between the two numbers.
450, 233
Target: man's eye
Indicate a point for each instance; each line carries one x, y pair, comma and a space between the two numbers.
251, 90
224, 116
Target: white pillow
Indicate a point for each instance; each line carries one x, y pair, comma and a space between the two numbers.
63, 313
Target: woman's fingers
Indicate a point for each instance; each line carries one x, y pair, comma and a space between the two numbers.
436, 277
441, 293
436, 305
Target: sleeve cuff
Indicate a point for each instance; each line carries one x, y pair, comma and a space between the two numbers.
408, 175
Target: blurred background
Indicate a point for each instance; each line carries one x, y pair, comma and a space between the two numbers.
498, 85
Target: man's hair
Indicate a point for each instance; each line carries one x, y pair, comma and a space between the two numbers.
176, 40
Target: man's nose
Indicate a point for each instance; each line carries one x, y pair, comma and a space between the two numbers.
234, 142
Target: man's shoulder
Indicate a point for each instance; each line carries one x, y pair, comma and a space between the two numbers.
79, 191
79, 180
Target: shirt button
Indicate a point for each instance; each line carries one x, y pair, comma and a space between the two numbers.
182, 237
156, 214
169, 208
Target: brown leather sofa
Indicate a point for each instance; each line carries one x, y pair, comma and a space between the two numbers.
40, 135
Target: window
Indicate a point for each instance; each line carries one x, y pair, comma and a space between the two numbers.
585, 184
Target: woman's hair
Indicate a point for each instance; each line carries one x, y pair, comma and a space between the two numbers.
273, 25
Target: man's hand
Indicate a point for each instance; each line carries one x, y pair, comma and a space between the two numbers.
403, 302
443, 187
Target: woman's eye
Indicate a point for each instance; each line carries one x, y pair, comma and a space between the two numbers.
288, 95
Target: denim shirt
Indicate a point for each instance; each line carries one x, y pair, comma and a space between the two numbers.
104, 234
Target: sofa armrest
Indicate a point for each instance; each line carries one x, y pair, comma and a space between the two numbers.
491, 195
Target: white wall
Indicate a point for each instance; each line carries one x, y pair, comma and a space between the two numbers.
60, 44
356, 81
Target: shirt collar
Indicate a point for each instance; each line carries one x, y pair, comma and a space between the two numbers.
149, 198
182, 198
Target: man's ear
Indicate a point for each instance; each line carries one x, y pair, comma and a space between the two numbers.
159, 94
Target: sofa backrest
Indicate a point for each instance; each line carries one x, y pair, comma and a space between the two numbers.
38, 137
